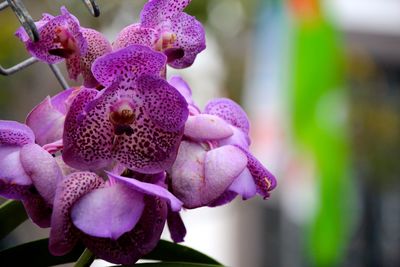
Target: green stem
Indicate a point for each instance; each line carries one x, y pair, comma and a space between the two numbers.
86, 259
12, 214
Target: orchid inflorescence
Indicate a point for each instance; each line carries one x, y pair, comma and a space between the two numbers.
110, 162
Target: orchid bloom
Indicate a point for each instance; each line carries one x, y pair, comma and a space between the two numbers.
27, 171
62, 37
213, 164
137, 120
119, 220
166, 28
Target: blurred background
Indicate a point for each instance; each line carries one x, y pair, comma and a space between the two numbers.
320, 81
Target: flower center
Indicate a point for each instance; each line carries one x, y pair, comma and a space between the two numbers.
165, 44
122, 119
66, 42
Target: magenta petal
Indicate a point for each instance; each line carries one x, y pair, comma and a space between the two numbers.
42, 169
187, 174
98, 46
38, 209
150, 189
237, 138
87, 143
11, 169
244, 185
135, 34
182, 87
190, 38
156, 11
229, 111
263, 179
15, 133
132, 245
221, 166
108, 212
21, 33
225, 198
176, 226
63, 235
207, 127
47, 119
128, 64
164, 104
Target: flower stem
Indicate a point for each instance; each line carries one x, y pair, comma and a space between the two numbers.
86, 259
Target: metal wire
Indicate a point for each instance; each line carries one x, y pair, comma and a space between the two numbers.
29, 25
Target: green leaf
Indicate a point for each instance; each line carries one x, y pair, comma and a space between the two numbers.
175, 264
168, 251
12, 214
36, 253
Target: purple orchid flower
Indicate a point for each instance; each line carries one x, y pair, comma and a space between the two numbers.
60, 38
119, 220
166, 28
213, 164
27, 171
137, 120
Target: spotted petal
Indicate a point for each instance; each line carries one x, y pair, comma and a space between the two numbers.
88, 134
15, 133
156, 11
63, 235
229, 111
164, 104
264, 180
135, 34
127, 63
190, 38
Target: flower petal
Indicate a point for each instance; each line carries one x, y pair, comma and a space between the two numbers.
187, 174
190, 38
149, 189
156, 11
15, 133
221, 167
199, 177
244, 185
38, 209
63, 235
128, 64
229, 111
164, 104
47, 120
237, 138
98, 46
42, 169
11, 169
182, 87
263, 179
139, 241
135, 34
88, 133
207, 127
176, 226
108, 212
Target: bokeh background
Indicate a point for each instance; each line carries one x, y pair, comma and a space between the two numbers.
320, 81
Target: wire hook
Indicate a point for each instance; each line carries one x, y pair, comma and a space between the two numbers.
25, 19
93, 7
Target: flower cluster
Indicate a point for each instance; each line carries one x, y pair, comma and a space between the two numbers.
110, 162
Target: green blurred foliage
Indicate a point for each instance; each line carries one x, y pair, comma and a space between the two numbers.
319, 107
